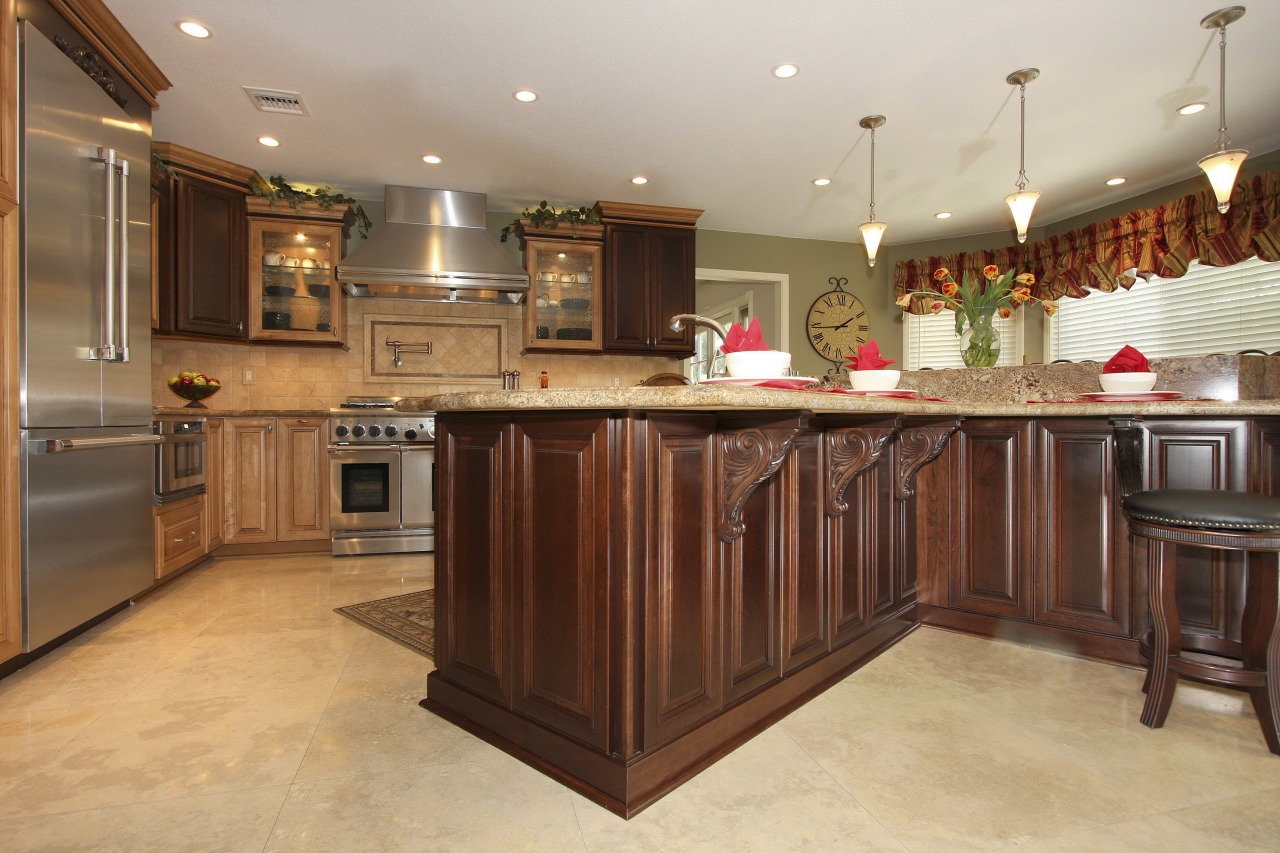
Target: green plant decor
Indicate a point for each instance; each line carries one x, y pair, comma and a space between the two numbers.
547, 218
278, 189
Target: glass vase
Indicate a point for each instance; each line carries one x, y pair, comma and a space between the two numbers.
980, 342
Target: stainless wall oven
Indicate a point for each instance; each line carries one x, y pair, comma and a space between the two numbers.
180, 459
382, 479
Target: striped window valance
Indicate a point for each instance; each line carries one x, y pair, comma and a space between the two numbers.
1160, 241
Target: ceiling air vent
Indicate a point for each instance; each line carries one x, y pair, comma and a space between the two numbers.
271, 101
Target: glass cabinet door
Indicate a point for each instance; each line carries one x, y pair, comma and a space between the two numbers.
562, 310
293, 294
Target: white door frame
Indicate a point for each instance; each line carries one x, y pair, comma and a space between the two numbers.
780, 280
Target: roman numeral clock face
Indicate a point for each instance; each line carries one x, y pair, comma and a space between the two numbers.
837, 325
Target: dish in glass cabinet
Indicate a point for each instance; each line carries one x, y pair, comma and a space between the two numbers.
1130, 396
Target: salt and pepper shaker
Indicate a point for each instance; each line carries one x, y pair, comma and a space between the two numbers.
510, 380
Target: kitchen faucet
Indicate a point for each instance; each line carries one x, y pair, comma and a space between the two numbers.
678, 321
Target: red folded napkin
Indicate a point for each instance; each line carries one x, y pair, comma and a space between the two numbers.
868, 358
740, 340
1128, 360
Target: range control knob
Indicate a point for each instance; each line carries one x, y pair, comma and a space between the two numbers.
391, 430
375, 431
357, 431
410, 433
341, 431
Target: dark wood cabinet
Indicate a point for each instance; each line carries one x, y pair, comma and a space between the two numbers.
994, 501
201, 242
649, 277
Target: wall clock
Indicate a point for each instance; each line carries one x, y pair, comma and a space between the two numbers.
837, 323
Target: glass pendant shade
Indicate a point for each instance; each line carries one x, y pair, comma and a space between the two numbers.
1222, 168
1021, 204
871, 234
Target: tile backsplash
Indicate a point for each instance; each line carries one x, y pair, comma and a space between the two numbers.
313, 378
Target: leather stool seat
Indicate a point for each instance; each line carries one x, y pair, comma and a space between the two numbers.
1219, 521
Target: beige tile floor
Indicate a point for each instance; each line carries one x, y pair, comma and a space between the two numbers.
234, 711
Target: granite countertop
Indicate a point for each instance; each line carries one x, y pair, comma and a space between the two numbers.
718, 397
239, 413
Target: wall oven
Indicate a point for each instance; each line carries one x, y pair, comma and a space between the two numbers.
179, 459
382, 479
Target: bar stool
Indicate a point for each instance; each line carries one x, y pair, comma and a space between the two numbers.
1217, 520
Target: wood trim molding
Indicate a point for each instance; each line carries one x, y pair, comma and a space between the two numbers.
746, 458
10, 455
648, 214
265, 207
104, 33
920, 446
206, 165
850, 451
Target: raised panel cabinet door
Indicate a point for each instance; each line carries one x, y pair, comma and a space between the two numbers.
474, 547
671, 286
1083, 577
210, 231
994, 505
1195, 454
681, 674
626, 294
250, 480
215, 507
303, 482
560, 581
806, 628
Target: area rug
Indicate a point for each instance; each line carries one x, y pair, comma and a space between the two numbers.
408, 619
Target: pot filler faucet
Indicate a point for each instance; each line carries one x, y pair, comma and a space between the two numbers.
678, 322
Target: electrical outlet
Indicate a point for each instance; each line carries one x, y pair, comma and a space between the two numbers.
248, 376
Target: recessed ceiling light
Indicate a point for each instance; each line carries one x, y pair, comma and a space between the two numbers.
269, 141
1115, 182
639, 179
432, 159
821, 182
191, 28
942, 214
525, 96
786, 70
1192, 109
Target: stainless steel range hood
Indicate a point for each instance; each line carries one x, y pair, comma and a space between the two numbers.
434, 247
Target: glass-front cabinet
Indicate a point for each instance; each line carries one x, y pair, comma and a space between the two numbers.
292, 292
562, 310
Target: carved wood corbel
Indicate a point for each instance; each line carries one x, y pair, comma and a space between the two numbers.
850, 451
748, 457
919, 445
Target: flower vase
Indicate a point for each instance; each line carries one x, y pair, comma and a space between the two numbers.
980, 342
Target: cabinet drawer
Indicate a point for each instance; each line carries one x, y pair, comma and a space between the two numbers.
179, 532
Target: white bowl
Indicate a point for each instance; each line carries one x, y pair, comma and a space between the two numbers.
1131, 382
874, 380
757, 364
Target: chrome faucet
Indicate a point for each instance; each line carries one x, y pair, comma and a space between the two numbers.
678, 321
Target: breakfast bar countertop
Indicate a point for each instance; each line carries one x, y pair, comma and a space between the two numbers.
718, 397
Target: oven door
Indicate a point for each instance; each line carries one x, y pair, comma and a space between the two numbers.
364, 488
179, 464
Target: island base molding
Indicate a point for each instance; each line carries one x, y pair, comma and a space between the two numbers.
626, 788
1080, 644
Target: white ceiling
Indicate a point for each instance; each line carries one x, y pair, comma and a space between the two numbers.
681, 92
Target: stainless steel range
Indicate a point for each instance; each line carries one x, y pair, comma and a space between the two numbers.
382, 466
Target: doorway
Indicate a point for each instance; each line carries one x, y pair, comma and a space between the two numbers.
735, 296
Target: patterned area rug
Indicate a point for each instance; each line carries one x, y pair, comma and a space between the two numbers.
408, 619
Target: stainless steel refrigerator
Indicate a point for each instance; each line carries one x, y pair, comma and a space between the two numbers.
87, 445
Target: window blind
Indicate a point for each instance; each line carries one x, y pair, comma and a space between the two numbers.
1208, 310
929, 340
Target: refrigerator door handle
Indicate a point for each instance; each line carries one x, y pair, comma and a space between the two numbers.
115, 307
66, 445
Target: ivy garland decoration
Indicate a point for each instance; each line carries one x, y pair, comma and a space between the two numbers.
546, 217
278, 189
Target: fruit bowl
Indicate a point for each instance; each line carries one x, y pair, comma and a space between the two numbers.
194, 387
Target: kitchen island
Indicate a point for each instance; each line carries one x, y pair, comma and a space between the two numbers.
632, 582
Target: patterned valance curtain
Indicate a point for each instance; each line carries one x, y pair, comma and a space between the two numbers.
1161, 241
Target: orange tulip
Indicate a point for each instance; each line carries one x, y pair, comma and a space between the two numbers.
1026, 278
1005, 312
950, 288
936, 306
991, 271
1020, 295
1050, 307
903, 301
940, 273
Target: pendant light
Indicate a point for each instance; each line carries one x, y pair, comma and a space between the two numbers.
1023, 201
872, 230
1223, 165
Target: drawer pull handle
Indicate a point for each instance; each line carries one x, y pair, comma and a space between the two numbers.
192, 535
